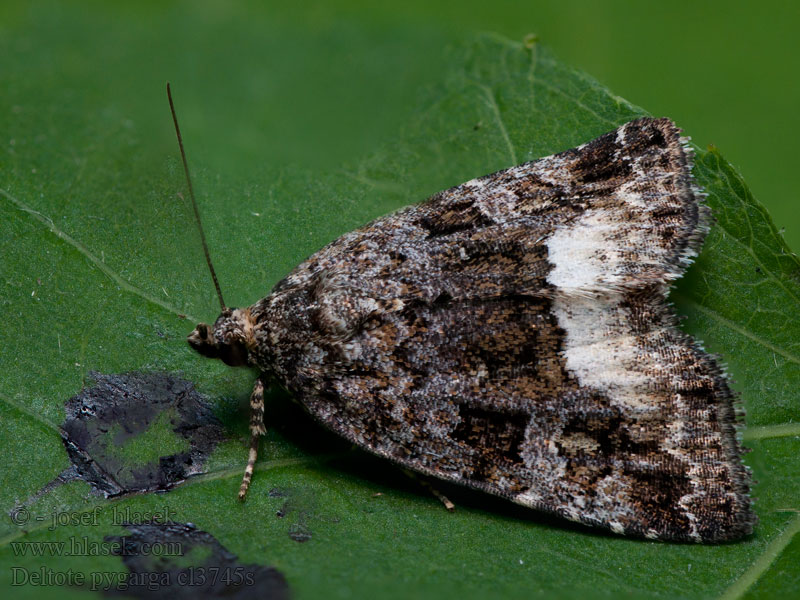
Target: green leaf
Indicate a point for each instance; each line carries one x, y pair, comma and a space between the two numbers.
99, 262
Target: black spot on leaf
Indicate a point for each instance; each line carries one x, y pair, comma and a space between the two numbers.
116, 410
176, 560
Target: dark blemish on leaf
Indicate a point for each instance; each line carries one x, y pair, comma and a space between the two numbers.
299, 532
176, 561
298, 529
300, 510
116, 410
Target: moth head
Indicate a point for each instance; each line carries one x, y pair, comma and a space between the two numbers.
228, 339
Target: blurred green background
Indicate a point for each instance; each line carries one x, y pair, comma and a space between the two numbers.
725, 71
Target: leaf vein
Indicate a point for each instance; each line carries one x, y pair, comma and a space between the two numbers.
765, 432
576, 102
749, 249
740, 330
763, 562
491, 101
110, 273
38, 417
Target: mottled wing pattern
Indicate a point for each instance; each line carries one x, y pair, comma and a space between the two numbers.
512, 334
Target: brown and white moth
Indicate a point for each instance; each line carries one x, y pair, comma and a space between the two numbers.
512, 334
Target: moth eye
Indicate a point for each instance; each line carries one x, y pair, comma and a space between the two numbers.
202, 329
233, 354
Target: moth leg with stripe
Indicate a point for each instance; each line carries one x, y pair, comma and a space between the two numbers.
257, 429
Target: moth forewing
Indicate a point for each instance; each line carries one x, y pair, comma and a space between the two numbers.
512, 335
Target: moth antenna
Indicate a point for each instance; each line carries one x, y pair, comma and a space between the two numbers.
194, 202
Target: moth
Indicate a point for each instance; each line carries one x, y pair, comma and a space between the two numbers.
512, 334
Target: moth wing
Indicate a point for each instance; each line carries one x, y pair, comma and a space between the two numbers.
512, 335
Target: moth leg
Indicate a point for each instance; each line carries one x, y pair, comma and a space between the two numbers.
257, 429
426, 484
